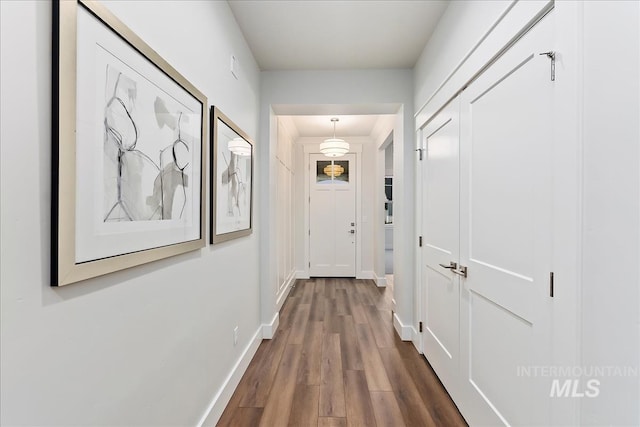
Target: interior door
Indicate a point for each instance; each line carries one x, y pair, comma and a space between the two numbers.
332, 216
441, 245
505, 201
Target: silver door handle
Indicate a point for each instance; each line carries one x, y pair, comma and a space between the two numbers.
462, 271
452, 266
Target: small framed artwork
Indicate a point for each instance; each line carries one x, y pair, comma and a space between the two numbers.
129, 136
231, 179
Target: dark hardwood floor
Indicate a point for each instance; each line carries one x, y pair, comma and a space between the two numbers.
336, 361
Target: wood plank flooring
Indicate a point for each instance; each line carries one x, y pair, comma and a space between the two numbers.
336, 361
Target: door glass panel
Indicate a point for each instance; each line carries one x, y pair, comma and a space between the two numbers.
341, 171
321, 176
332, 172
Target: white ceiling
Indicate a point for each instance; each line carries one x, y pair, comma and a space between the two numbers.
336, 34
347, 126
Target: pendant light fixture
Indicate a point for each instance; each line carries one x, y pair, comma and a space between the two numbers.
334, 147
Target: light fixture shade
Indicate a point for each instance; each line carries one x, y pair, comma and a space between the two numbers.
333, 170
334, 147
240, 147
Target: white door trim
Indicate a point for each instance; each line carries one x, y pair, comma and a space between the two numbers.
355, 148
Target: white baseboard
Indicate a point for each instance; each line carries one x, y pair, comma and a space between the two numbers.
381, 282
404, 331
301, 274
285, 290
221, 399
269, 329
366, 275
417, 340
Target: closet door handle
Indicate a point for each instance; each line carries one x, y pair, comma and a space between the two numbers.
462, 271
452, 266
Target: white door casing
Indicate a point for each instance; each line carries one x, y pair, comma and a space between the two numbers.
332, 217
505, 233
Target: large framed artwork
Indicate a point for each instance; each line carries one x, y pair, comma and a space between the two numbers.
129, 137
231, 179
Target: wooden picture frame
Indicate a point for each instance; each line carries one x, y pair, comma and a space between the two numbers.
128, 149
231, 163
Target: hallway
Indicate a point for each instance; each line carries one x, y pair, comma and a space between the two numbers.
336, 361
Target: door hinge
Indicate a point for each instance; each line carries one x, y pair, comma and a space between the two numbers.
551, 55
309, 232
420, 326
420, 241
419, 150
309, 264
551, 279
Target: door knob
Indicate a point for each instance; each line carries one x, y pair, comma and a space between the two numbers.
452, 266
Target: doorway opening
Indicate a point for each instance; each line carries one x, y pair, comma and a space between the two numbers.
365, 131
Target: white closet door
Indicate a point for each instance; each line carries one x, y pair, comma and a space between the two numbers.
332, 216
505, 202
441, 246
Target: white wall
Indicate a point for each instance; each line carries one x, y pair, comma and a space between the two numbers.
388, 161
382, 135
298, 206
285, 209
367, 225
461, 27
151, 345
266, 184
611, 206
333, 90
596, 178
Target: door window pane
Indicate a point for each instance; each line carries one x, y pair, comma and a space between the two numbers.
321, 176
328, 172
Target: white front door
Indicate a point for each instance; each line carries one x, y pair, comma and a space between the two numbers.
506, 155
332, 216
441, 245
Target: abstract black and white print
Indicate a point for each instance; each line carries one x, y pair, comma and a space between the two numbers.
146, 171
138, 149
234, 183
